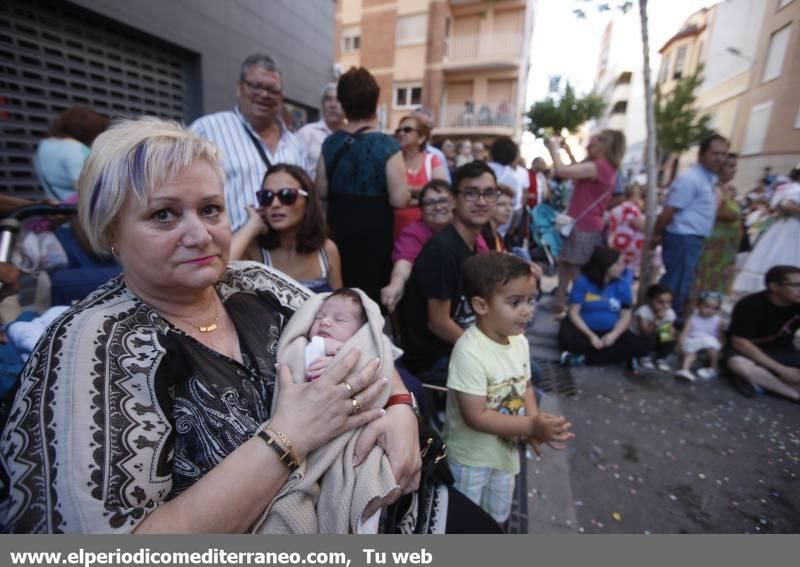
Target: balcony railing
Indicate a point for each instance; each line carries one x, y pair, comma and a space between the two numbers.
484, 47
471, 115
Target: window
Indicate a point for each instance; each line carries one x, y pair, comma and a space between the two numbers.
411, 30
680, 61
664, 71
407, 96
777, 50
797, 119
757, 129
351, 39
624, 78
620, 107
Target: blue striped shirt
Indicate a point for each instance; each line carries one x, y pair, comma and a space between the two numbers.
244, 168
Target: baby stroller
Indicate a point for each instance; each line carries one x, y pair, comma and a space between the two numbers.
545, 234
76, 274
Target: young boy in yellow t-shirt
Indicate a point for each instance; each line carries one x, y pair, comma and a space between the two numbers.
490, 401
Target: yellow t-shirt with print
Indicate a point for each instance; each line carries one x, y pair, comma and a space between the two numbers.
482, 367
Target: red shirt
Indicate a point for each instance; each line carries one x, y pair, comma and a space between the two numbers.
587, 191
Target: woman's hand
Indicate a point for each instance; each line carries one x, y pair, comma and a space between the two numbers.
392, 294
256, 221
397, 433
554, 143
312, 413
596, 341
608, 339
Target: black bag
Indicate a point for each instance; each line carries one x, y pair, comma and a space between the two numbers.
412, 513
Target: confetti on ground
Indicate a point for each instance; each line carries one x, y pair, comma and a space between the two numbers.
617, 516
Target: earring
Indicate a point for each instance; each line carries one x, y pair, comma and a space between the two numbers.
114, 250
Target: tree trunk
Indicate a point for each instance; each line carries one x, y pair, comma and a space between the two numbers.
645, 276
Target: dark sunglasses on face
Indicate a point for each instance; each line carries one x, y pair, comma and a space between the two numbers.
404, 130
287, 196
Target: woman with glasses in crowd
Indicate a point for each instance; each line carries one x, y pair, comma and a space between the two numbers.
287, 231
362, 177
421, 166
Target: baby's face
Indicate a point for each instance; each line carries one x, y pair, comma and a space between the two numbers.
339, 318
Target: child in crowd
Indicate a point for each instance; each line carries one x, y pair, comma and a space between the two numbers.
654, 320
490, 400
702, 333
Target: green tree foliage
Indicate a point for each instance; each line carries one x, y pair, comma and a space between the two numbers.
564, 110
679, 123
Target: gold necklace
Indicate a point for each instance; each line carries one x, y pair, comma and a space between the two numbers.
210, 328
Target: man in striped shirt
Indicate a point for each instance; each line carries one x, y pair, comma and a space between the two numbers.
252, 135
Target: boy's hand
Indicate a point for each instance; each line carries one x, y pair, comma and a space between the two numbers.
550, 429
332, 346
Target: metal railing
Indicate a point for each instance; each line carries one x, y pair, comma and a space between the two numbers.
470, 115
483, 47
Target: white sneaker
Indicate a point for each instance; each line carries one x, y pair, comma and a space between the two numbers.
684, 375
663, 366
646, 363
707, 373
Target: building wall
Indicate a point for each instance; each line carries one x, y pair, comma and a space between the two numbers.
224, 33
781, 147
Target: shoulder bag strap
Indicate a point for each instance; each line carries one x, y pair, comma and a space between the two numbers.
592, 206
259, 146
341, 151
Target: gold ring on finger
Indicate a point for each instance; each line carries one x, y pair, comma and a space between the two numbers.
356, 406
349, 389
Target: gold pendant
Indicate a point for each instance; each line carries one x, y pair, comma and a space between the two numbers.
209, 329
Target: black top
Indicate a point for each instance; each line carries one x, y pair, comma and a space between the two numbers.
437, 274
359, 212
768, 326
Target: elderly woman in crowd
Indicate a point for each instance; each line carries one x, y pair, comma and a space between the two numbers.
421, 166
148, 407
288, 231
363, 177
60, 157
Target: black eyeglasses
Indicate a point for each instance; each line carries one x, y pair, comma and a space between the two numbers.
404, 130
287, 196
473, 193
257, 87
426, 204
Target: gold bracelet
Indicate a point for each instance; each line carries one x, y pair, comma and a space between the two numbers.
287, 456
281, 436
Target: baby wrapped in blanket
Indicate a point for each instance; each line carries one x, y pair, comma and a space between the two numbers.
327, 494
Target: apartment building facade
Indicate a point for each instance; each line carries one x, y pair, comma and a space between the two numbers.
467, 60
750, 53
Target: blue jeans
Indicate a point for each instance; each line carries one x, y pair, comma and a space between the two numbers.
680, 253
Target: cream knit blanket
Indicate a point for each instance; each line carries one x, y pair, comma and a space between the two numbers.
327, 494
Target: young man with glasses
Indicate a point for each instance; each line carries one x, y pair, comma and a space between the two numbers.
252, 136
434, 312
765, 336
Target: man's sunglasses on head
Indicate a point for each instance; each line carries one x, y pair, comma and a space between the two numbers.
287, 196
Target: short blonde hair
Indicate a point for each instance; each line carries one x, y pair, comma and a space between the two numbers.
505, 190
133, 157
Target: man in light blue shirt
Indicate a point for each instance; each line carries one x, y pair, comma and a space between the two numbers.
688, 219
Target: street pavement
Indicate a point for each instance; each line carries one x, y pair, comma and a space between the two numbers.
653, 455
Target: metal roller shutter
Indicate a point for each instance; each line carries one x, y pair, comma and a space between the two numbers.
54, 55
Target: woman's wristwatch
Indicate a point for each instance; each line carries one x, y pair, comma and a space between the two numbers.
404, 399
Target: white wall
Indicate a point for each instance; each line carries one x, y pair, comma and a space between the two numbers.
737, 25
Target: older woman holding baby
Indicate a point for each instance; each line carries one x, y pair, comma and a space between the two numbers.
148, 407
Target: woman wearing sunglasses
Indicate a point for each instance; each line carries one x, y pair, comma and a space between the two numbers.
421, 166
287, 231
